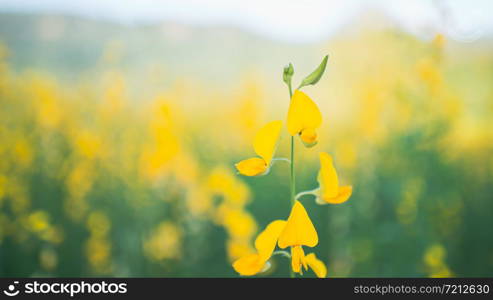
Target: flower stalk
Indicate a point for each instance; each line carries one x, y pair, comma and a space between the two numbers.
295, 233
313, 192
292, 182
292, 175
281, 159
288, 73
282, 253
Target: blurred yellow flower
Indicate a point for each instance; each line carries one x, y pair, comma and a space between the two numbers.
238, 222
98, 224
23, 153
3, 186
429, 72
164, 242
238, 247
264, 144
98, 251
222, 181
434, 259
48, 259
439, 40
88, 144
304, 118
38, 221
199, 201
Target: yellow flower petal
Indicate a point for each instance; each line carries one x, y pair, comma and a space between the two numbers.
303, 113
330, 191
298, 259
344, 194
249, 265
327, 177
299, 229
265, 244
265, 141
316, 265
267, 239
251, 167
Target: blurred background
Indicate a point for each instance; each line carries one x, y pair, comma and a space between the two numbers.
121, 121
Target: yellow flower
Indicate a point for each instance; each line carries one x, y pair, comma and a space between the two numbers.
264, 244
330, 191
298, 232
264, 144
304, 118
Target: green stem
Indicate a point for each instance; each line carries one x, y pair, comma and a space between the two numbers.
292, 184
293, 179
292, 175
282, 253
281, 159
311, 192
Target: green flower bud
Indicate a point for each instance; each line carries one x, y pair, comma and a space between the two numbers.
288, 74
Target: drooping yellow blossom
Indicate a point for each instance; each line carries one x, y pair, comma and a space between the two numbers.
304, 118
330, 191
298, 232
265, 244
316, 265
264, 144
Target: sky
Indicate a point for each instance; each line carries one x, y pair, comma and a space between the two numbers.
288, 20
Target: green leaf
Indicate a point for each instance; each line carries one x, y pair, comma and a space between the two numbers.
315, 76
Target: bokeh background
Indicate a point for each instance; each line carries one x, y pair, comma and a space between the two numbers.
121, 121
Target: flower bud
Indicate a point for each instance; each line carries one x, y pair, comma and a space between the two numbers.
288, 74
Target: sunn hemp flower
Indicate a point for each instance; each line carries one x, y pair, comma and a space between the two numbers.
303, 120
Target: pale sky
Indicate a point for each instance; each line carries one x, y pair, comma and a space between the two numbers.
295, 21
